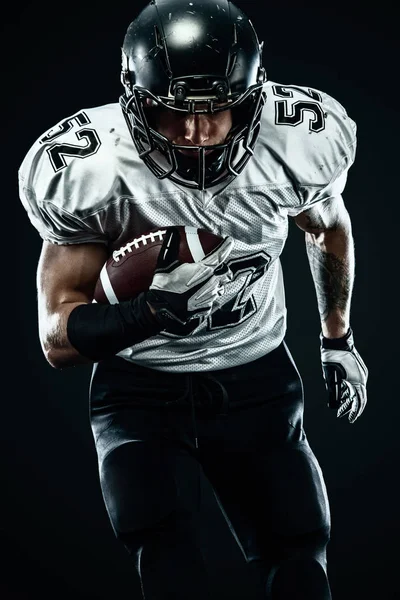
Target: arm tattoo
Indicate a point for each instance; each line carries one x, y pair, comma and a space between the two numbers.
333, 280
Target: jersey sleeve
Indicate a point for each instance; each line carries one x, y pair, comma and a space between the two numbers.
315, 139
311, 195
54, 224
65, 181
338, 155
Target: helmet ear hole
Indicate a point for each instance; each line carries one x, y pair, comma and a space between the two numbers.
127, 76
126, 79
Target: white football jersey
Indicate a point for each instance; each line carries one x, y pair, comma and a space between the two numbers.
83, 181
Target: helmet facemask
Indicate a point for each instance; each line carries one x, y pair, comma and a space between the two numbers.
210, 165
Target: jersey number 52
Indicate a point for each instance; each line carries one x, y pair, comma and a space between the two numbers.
58, 151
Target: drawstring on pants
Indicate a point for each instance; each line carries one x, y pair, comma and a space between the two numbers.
208, 400
191, 396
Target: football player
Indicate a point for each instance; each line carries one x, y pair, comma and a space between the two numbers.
184, 391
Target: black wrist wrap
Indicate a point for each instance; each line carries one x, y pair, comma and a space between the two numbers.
99, 331
343, 343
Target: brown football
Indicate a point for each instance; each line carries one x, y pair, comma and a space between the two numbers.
130, 269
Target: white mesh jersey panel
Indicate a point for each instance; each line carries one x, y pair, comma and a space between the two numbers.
83, 181
255, 323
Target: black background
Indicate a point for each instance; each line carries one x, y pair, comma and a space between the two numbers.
56, 539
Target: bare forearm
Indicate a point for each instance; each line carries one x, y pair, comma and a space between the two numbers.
53, 335
331, 258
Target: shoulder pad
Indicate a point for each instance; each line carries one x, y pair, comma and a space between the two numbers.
309, 132
71, 165
71, 170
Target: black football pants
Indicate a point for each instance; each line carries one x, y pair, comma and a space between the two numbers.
158, 435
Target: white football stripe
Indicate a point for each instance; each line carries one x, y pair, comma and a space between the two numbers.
194, 244
107, 287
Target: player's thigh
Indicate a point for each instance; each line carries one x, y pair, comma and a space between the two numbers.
146, 482
271, 499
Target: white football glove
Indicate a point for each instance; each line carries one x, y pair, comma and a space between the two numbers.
181, 292
345, 376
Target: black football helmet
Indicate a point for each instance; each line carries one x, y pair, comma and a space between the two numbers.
201, 56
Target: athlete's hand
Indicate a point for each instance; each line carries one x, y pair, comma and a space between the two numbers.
345, 376
182, 292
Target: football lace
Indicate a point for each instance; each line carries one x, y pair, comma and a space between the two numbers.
143, 239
